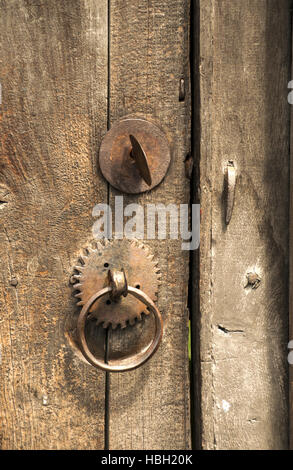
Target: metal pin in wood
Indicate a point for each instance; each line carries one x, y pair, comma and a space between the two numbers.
230, 184
139, 156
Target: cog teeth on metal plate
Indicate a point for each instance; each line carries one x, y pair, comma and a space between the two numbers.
79, 268
83, 259
103, 246
99, 246
77, 286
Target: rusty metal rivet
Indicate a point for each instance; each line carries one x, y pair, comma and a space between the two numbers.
188, 162
253, 280
181, 89
149, 149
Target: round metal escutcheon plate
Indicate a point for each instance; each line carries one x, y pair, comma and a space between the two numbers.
117, 164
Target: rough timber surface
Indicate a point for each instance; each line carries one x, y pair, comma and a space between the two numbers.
149, 54
244, 72
53, 73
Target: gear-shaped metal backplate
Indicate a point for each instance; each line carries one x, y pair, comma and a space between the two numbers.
141, 271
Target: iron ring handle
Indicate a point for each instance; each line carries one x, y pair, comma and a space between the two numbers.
129, 363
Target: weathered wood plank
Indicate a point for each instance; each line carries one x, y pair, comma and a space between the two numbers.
291, 270
149, 54
53, 72
244, 71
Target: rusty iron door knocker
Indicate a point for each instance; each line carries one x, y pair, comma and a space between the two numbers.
108, 298
128, 363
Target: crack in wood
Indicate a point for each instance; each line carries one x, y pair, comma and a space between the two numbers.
226, 330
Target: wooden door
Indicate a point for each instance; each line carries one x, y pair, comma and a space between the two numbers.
213, 75
70, 70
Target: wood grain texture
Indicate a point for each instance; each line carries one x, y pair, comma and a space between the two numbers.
291, 268
244, 71
149, 54
53, 73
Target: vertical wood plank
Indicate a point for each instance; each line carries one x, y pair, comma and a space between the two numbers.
149, 54
291, 266
53, 73
244, 71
